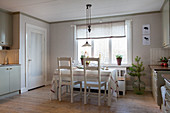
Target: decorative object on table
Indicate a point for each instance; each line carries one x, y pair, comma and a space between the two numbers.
137, 71
164, 61
119, 59
88, 24
146, 39
106, 68
146, 29
84, 56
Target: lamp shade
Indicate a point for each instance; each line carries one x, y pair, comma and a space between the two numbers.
86, 44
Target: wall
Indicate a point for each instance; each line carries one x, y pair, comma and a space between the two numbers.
157, 53
23, 20
12, 55
62, 39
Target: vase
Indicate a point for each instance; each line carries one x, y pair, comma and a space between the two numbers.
139, 87
81, 61
119, 60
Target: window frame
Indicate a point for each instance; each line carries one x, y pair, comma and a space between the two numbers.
128, 24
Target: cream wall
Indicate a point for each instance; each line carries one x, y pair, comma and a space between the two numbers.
22, 36
62, 40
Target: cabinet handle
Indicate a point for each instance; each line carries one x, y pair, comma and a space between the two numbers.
10, 68
7, 69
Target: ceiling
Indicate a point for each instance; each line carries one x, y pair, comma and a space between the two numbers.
62, 10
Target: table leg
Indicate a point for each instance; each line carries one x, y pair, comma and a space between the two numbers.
109, 93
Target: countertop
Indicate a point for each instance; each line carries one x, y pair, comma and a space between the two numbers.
10, 65
159, 68
167, 77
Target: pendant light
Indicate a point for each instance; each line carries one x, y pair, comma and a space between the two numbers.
88, 24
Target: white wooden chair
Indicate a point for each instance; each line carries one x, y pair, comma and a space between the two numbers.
69, 82
93, 80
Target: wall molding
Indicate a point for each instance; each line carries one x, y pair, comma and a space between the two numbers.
133, 14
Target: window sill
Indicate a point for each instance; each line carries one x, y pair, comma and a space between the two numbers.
117, 66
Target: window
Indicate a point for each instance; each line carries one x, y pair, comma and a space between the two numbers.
107, 40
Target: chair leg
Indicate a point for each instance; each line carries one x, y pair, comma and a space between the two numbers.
89, 90
71, 93
81, 88
60, 91
85, 100
105, 89
99, 93
66, 88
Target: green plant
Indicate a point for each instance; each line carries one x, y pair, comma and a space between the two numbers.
82, 56
137, 71
119, 56
163, 59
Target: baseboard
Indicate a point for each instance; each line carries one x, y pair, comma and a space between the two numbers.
147, 88
9, 95
23, 90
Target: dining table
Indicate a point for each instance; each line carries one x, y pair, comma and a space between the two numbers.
109, 76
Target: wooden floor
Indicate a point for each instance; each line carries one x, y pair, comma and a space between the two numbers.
37, 101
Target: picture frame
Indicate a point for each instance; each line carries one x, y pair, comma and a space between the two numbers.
146, 29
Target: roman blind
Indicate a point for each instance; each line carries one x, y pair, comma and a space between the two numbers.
102, 30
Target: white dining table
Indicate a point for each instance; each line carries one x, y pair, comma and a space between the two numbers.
108, 76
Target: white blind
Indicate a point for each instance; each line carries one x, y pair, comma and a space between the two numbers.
103, 30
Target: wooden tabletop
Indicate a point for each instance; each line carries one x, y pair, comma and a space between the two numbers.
159, 67
166, 76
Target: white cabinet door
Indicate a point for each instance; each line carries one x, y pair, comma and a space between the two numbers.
4, 80
15, 78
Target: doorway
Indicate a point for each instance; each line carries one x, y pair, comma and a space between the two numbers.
35, 56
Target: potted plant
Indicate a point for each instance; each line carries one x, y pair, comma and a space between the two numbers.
137, 71
119, 59
164, 61
82, 56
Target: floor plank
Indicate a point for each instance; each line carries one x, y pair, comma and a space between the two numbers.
37, 101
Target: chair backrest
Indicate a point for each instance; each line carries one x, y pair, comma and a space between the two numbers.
67, 67
97, 68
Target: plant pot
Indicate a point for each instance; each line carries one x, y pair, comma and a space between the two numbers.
139, 87
119, 60
81, 61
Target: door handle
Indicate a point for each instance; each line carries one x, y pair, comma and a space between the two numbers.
29, 60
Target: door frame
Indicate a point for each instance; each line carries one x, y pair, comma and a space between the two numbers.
45, 52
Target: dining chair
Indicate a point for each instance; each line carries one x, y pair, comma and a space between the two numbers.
93, 80
66, 79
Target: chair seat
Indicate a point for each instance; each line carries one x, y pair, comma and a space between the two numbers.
95, 84
69, 82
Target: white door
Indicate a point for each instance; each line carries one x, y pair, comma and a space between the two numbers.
35, 56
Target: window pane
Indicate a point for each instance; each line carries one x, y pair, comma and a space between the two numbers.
101, 46
119, 46
81, 50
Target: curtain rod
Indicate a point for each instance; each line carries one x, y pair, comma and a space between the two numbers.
101, 23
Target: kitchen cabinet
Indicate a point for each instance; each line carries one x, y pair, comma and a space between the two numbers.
166, 94
5, 29
14, 78
157, 82
166, 24
10, 79
4, 80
